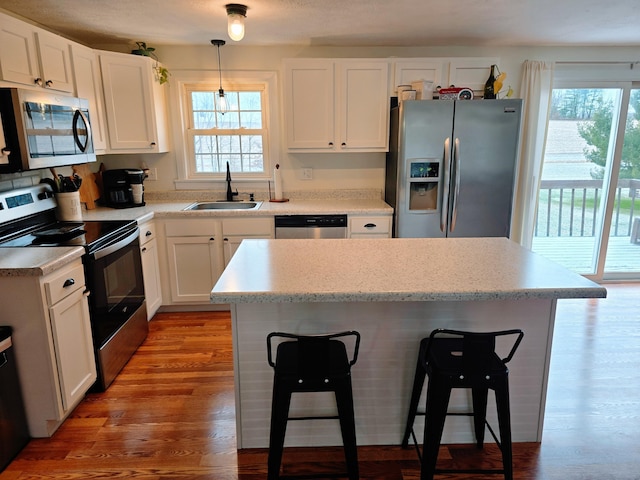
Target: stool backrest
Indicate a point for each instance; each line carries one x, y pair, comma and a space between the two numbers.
314, 351
477, 349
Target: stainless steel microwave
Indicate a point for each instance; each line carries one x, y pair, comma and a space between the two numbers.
43, 129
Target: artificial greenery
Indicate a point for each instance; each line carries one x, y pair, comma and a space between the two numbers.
162, 74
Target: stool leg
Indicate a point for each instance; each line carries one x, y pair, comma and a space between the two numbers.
438, 394
418, 383
504, 422
279, 414
479, 396
344, 402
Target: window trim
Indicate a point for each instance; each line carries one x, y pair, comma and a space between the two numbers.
179, 102
189, 131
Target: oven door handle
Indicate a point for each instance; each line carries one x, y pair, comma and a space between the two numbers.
114, 247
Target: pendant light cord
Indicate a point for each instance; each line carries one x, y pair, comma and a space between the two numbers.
219, 68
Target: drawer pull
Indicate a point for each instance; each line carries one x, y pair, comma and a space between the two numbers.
370, 225
68, 282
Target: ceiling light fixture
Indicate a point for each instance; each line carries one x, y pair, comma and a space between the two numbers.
236, 14
222, 101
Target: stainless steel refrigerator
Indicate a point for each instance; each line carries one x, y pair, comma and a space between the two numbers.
451, 167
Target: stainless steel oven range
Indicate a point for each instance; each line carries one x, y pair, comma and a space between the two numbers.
112, 265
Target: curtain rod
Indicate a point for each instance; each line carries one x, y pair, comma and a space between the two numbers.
631, 64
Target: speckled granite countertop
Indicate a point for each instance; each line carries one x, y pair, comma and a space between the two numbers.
20, 262
363, 270
42, 260
174, 209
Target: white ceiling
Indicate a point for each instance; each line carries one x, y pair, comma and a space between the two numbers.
342, 22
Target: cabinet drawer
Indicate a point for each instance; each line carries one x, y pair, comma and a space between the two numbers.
64, 283
191, 227
248, 226
370, 224
147, 232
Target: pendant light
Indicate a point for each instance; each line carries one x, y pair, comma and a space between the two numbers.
222, 101
236, 14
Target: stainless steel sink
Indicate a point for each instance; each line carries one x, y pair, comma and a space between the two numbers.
223, 205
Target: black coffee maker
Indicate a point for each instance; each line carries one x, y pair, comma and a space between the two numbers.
122, 188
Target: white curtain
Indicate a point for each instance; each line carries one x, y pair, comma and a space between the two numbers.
535, 90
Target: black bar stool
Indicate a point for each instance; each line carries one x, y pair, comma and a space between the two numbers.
457, 359
312, 363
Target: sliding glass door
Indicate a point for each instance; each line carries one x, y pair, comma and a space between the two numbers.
589, 196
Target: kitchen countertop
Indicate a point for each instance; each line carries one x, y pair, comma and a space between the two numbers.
43, 260
174, 209
18, 261
363, 270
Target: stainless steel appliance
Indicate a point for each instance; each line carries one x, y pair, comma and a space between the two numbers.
112, 265
311, 226
123, 188
42, 129
451, 167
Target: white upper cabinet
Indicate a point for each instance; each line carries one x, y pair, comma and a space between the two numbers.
55, 61
309, 103
406, 71
88, 84
32, 56
135, 104
471, 72
460, 72
336, 105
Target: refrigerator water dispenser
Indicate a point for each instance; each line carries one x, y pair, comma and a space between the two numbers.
424, 178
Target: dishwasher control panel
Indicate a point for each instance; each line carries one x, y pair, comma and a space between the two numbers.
311, 226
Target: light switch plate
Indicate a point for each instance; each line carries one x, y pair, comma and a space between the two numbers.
307, 174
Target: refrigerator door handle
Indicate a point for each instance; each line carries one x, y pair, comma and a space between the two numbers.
456, 188
444, 209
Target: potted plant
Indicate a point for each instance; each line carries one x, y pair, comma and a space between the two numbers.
162, 74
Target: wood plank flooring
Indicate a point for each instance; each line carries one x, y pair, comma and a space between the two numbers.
170, 413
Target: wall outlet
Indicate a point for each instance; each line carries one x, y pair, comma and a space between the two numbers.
152, 174
307, 174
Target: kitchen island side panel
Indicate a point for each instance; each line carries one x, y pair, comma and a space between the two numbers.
383, 375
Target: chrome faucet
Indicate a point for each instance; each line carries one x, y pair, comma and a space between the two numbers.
230, 193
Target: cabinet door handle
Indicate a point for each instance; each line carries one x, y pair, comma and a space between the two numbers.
148, 233
226, 239
370, 225
48, 83
37, 81
331, 144
68, 282
212, 239
152, 144
144, 249
344, 144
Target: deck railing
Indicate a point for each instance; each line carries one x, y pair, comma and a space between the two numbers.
570, 207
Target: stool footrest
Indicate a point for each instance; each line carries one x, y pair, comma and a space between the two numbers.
332, 417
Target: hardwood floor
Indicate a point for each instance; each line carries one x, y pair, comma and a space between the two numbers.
170, 413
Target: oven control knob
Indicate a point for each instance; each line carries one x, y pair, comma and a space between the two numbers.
44, 195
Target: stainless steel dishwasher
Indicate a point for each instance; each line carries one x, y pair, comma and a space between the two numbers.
311, 226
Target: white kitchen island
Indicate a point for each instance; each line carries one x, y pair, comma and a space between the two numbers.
394, 292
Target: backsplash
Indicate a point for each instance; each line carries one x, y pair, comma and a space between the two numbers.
11, 181
263, 195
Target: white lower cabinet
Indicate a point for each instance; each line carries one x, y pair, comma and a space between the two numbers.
74, 350
234, 230
369, 226
150, 268
195, 258
197, 251
52, 339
